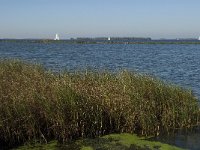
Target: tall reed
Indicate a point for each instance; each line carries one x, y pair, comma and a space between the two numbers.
36, 104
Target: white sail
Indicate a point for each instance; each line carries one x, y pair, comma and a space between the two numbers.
56, 37
199, 38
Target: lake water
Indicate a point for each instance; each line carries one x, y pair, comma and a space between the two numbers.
175, 63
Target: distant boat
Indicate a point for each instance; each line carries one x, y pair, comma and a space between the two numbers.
108, 38
199, 38
56, 37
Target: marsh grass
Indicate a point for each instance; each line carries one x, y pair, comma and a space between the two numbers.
36, 104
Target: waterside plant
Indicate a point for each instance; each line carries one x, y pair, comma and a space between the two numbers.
36, 104
122, 141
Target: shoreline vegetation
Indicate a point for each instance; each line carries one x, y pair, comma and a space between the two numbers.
39, 105
108, 142
79, 41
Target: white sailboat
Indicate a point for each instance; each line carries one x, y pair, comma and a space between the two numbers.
199, 38
56, 37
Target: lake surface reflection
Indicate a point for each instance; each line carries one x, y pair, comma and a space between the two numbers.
184, 139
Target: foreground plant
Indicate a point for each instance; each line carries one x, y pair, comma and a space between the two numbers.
108, 142
39, 105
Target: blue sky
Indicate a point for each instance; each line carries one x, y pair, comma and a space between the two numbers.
94, 18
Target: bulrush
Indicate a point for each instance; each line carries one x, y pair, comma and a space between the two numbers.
36, 104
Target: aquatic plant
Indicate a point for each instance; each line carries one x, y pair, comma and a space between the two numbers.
36, 104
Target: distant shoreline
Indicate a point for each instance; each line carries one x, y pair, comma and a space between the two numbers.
80, 41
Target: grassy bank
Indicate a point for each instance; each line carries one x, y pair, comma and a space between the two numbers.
108, 142
38, 105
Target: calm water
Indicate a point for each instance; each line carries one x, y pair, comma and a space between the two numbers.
179, 64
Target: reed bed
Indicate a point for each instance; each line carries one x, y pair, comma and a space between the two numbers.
36, 104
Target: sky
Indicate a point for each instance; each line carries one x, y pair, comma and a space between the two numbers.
99, 18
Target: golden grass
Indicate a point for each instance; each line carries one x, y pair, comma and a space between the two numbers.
38, 105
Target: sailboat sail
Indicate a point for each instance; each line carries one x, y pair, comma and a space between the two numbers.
56, 37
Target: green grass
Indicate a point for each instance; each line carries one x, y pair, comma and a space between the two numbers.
108, 142
36, 104
52, 145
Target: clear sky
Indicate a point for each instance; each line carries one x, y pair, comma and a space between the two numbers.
94, 18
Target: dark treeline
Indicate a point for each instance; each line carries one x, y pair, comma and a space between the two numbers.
106, 41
